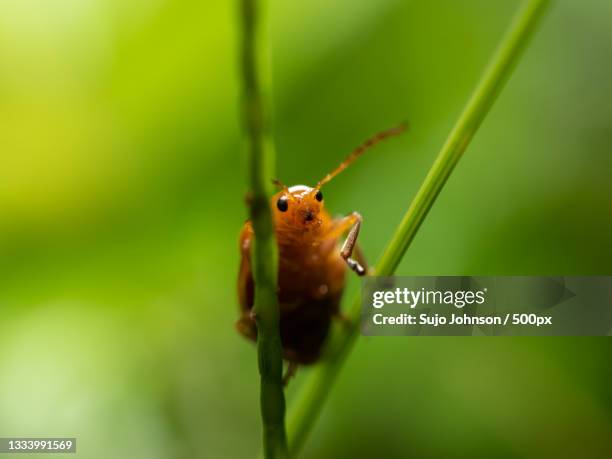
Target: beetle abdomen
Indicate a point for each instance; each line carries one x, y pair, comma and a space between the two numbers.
304, 328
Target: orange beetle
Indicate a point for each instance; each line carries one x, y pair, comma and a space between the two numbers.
312, 264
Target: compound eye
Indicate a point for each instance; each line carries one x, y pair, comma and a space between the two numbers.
282, 204
319, 196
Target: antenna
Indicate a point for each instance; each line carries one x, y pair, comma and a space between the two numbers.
357, 152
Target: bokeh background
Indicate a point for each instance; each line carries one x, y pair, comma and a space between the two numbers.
121, 198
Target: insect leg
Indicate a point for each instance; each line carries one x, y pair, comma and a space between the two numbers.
247, 327
349, 245
360, 257
290, 373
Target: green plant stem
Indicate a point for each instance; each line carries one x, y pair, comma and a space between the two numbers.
313, 393
260, 151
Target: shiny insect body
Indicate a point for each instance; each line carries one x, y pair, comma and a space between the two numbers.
312, 264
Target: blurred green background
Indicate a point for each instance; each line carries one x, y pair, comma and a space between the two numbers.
121, 200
